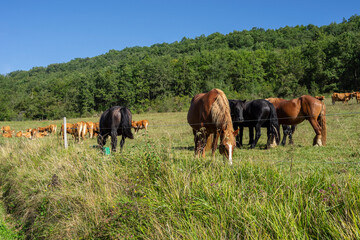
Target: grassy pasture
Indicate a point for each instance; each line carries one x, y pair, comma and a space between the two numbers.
156, 189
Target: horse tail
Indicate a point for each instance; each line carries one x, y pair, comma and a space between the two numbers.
322, 122
274, 123
125, 122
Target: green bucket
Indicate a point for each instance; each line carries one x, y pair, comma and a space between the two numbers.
106, 150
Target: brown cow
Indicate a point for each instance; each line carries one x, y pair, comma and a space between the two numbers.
19, 134
90, 128
69, 129
52, 128
33, 132
27, 135
7, 135
40, 134
321, 98
142, 124
5, 129
80, 130
96, 129
357, 96
344, 97
42, 129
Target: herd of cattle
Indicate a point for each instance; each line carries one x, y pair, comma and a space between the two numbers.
30, 133
78, 130
345, 97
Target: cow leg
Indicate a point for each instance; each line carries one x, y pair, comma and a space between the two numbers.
122, 142
113, 140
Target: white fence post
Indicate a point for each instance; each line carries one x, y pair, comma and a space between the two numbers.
65, 137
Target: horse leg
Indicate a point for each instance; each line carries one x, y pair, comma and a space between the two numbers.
122, 142
291, 134
113, 140
251, 135
270, 138
240, 136
286, 132
204, 139
215, 143
317, 129
257, 134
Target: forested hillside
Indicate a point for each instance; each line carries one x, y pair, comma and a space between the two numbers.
286, 62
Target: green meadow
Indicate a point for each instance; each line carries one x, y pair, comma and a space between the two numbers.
157, 189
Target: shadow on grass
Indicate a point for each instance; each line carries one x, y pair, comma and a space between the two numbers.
189, 148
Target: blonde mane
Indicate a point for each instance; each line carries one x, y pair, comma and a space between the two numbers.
220, 111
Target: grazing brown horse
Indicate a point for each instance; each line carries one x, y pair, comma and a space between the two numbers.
209, 116
295, 111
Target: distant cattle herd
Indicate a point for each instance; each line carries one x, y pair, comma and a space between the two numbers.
78, 131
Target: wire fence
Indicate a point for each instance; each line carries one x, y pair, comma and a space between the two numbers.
304, 117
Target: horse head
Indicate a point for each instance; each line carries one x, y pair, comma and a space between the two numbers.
228, 143
237, 110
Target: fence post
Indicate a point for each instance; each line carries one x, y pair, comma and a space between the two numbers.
65, 137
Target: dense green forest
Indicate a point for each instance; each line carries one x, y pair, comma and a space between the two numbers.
248, 64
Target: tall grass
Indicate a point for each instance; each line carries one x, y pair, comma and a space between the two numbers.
156, 189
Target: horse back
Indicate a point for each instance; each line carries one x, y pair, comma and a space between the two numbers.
289, 111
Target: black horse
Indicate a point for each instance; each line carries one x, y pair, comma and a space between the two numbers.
115, 121
255, 114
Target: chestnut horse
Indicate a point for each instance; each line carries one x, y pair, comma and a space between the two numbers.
209, 116
287, 130
295, 111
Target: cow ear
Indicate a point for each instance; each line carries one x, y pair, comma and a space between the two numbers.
236, 132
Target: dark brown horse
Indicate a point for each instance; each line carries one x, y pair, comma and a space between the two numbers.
209, 116
295, 111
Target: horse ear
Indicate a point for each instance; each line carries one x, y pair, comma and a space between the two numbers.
244, 101
236, 132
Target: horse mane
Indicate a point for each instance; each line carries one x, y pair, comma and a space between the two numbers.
220, 111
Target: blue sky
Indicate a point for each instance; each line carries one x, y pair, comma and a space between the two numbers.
39, 33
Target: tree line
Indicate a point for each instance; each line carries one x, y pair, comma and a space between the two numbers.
249, 64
